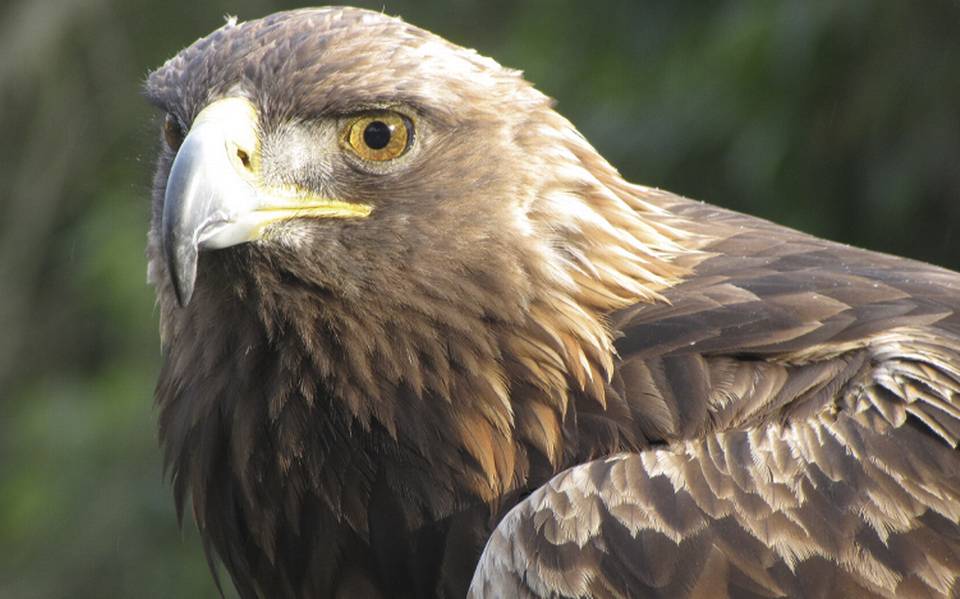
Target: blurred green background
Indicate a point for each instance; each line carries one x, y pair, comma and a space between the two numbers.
839, 118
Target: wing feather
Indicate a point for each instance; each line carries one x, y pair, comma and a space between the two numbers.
878, 505
802, 400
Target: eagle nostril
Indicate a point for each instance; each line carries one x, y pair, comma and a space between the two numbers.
244, 158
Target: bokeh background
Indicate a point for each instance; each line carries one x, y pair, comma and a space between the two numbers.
839, 118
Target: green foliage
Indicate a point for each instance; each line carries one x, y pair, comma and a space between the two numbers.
839, 118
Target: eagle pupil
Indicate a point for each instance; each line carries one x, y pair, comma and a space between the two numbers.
377, 135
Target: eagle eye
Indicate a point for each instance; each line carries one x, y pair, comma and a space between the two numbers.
379, 136
173, 133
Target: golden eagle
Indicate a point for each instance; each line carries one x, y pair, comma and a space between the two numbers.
420, 339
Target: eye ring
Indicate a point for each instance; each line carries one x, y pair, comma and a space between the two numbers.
378, 136
173, 133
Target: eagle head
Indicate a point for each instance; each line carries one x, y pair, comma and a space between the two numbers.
355, 154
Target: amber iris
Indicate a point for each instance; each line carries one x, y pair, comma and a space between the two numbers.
378, 136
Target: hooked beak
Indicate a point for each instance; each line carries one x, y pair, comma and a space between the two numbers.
215, 198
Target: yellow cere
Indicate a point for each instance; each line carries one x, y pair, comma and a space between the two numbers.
237, 118
288, 202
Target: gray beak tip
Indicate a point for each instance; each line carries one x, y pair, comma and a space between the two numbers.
182, 264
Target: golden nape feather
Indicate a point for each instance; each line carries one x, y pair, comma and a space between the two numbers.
421, 340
